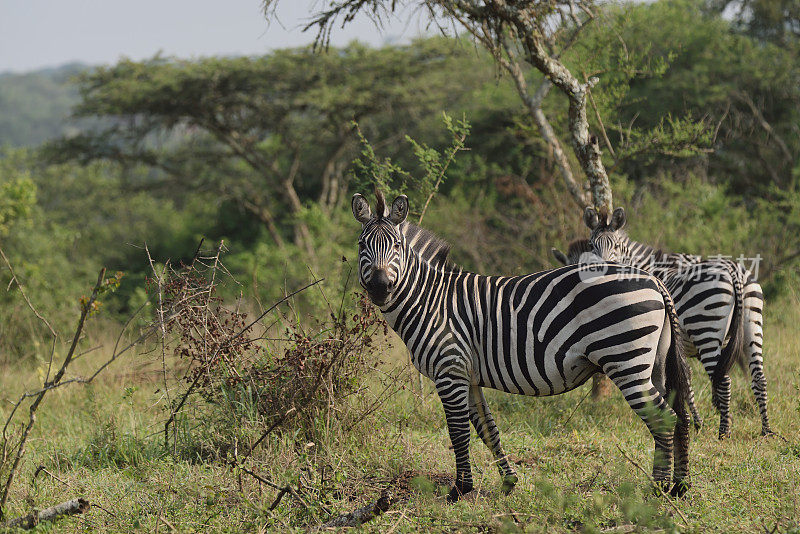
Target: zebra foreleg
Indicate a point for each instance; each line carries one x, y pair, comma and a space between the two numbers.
486, 428
454, 393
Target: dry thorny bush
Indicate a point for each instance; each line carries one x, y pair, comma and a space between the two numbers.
242, 379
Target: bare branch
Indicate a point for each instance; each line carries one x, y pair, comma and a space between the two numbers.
75, 506
49, 384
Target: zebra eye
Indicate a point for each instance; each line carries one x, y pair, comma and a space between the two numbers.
397, 246
360, 244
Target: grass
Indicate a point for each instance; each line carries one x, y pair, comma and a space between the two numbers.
104, 442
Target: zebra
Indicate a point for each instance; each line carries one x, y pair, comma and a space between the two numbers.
538, 334
715, 299
581, 251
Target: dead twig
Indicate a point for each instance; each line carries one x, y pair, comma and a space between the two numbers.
86, 308
27, 522
663, 494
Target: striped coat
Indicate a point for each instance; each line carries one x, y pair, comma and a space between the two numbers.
719, 303
539, 334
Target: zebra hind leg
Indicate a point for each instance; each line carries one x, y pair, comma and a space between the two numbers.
648, 403
758, 382
696, 418
721, 395
680, 476
454, 393
759, 386
486, 428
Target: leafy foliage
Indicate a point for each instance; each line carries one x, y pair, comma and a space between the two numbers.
372, 171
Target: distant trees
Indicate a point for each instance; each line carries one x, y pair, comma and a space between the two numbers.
226, 147
272, 134
34, 106
675, 79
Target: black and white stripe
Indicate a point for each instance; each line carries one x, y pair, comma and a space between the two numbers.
539, 334
716, 300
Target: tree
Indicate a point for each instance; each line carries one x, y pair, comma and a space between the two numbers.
272, 134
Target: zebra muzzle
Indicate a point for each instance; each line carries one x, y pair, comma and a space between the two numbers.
379, 286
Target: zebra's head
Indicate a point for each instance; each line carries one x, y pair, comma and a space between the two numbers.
381, 247
608, 240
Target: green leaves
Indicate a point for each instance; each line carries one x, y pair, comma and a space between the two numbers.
108, 285
17, 199
371, 171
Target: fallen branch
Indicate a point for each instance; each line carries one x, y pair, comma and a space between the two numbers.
398, 490
359, 516
27, 522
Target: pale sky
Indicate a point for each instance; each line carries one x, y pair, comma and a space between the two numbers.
47, 33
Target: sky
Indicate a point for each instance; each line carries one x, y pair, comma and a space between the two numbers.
36, 34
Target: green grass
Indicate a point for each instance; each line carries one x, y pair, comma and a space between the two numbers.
104, 442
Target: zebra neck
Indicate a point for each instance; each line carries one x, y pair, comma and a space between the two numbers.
642, 256
419, 305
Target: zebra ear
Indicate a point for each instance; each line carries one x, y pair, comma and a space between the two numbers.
618, 219
399, 210
591, 218
361, 210
559, 256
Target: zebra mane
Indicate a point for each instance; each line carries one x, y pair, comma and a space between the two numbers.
428, 245
639, 249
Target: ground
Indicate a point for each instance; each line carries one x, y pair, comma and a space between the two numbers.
104, 442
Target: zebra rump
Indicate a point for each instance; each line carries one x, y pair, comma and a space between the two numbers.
719, 304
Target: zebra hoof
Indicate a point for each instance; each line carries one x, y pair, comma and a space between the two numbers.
724, 435
698, 423
457, 492
680, 488
660, 487
509, 481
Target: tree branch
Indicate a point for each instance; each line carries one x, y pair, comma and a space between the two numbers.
21, 447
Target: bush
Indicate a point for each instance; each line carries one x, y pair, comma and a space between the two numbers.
239, 381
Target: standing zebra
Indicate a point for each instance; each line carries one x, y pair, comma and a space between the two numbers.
581, 251
538, 334
715, 299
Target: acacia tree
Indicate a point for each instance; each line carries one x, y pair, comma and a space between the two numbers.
272, 134
513, 31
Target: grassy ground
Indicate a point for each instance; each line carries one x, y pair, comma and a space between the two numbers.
104, 442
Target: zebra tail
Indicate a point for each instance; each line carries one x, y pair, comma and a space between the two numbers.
677, 370
734, 350
678, 387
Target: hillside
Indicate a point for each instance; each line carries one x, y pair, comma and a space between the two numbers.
35, 106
